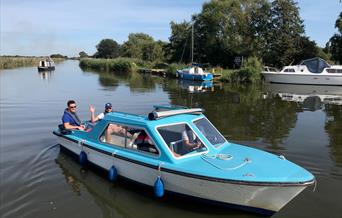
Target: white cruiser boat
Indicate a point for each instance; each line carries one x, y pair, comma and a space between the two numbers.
314, 71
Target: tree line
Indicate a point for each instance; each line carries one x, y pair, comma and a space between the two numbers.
272, 31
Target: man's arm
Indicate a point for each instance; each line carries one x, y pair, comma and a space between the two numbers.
92, 114
68, 126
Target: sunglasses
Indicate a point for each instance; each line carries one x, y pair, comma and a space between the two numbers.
73, 106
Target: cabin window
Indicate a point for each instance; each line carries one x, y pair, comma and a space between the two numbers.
334, 70
128, 137
181, 139
289, 70
209, 132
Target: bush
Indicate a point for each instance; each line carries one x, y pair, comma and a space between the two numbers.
172, 69
250, 71
124, 65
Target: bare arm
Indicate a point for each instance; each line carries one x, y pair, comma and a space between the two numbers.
92, 114
68, 126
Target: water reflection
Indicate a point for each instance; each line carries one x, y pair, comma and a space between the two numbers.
333, 127
45, 75
309, 97
127, 199
242, 112
196, 86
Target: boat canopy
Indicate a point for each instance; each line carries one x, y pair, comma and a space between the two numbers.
315, 65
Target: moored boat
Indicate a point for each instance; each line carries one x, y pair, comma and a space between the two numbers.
153, 150
46, 65
314, 71
194, 73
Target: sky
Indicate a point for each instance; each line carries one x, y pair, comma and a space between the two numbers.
42, 27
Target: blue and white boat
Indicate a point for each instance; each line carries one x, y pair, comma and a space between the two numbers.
194, 73
152, 150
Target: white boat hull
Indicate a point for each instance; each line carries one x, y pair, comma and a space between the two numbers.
258, 198
310, 79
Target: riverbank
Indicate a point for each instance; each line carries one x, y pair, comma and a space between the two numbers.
130, 65
9, 62
250, 71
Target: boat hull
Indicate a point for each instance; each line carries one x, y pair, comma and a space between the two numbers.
308, 79
256, 197
197, 77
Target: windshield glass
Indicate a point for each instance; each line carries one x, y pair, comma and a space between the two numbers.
209, 131
180, 139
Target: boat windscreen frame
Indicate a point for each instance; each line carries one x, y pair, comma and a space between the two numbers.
169, 149
136, 151
215, 146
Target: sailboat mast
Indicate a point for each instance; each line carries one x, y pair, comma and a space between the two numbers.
192, 44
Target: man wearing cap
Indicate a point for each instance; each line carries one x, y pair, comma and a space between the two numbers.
108, 109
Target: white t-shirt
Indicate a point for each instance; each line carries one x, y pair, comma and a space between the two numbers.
100, 116
186, 137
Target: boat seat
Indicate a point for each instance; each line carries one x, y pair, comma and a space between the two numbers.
176, 146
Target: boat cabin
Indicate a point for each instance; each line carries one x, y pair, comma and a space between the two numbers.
315, 65
168, 133
195, 70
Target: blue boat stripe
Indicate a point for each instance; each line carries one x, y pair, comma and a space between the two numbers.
277, 184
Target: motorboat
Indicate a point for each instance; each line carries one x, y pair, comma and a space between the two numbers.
314, 71
46, 65
194, 73
177, 150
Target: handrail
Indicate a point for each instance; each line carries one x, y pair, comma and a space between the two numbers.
160, 114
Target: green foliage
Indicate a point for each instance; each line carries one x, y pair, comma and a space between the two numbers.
172, 69
58, 56
9, 62
124, 65
82, 54
335, 42
285, 33
107, 48
249, 72
179, 42
143, 46
224, 29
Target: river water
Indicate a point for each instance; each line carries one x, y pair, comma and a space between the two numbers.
304, 123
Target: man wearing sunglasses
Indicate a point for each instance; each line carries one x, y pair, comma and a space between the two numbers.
70, 119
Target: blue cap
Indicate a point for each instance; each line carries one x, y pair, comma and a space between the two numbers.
108, 105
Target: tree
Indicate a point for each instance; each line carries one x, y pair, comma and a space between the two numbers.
143, 46
82, 54
179, 42
335, 42
285, 34
58, 56
107, 48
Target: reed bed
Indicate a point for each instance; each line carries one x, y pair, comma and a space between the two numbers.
15, 62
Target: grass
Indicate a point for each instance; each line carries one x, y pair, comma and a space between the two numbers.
124, 65
250, 72
8, 62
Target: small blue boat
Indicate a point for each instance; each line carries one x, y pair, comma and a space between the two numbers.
194, 73
177, 149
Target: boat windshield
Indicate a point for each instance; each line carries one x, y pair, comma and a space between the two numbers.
181, 139
209, 131
315, 65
